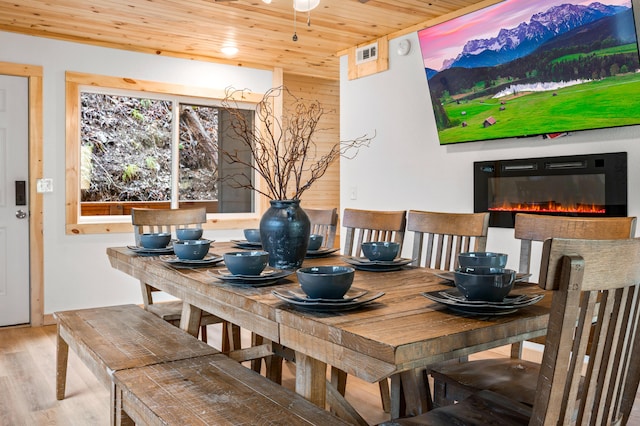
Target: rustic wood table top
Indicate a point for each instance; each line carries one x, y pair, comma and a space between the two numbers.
396, 333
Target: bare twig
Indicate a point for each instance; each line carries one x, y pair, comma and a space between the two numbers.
283, 152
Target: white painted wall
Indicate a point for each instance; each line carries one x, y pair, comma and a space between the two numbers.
406, 168
77, 273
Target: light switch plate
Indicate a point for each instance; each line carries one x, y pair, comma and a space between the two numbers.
44, 185
353, 193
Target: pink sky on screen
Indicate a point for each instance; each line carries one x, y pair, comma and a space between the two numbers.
446, 40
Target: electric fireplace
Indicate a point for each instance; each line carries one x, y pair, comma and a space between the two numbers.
592, 185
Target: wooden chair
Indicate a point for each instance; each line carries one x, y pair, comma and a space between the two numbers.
363, 226
589, 278
454, 382
537, 227
439, 237
167, 220
325, 223
372, 225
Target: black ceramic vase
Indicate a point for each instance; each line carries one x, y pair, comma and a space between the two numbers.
284, 231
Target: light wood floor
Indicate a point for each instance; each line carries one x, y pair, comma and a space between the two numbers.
27, 384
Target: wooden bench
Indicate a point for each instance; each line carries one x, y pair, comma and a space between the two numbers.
209, 390
115, 338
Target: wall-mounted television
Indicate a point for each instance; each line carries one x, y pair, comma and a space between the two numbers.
523, 68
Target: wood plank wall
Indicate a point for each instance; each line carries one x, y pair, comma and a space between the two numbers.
325, 192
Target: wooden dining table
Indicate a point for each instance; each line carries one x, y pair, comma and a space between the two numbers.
389, 337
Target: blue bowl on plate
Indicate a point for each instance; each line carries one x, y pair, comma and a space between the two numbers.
155, 240
486, 259
252, 235
315, 242
325, 282
380, 250
485, 284
246, 262
191, 249
189, 233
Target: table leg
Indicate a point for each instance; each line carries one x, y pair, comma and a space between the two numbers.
62, 356
414, 392
396, 397
408, 394
119, 416
311, 379
190, 319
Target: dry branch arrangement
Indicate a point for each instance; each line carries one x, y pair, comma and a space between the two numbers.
282, 150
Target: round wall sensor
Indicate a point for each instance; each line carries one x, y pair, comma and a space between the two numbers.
404, 47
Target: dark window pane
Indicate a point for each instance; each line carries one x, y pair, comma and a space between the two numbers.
125, 149
198, 153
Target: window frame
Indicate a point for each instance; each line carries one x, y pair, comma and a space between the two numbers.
75, 223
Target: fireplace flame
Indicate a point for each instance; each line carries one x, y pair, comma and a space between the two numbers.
550, 207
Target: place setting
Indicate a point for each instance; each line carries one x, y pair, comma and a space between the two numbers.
483, 287
252, 240
249, 268
188, 251
153, 244
315, 248
379, 256
326, 288
474, 259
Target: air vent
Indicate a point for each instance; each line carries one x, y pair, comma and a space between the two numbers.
367, 53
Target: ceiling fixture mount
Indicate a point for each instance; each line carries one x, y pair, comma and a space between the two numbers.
305, 5
300, 6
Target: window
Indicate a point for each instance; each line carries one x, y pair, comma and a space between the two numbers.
124, 150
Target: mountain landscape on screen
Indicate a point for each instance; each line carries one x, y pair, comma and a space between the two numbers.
561, 68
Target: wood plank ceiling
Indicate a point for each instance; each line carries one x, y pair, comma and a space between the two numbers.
198, 29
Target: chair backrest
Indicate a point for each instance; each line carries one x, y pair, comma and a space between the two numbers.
165, 220
372, 225
536, 227
325, 223
438, 237
590, 278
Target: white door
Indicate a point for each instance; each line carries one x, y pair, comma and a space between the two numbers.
14, 208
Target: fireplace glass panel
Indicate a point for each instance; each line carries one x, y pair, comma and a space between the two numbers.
548, 194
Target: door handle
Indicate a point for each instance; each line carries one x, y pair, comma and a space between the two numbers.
21, 214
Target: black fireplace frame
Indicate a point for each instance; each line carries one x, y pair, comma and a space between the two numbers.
613, 165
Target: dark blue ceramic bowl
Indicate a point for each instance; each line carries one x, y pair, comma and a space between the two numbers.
252, 235
315, 242
189, 233
246, 262
487, 284
191, 249
380, 250
155, 240
475, 259
325, 282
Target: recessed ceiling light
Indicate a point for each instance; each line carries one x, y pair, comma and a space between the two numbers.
266, 1
229, 50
